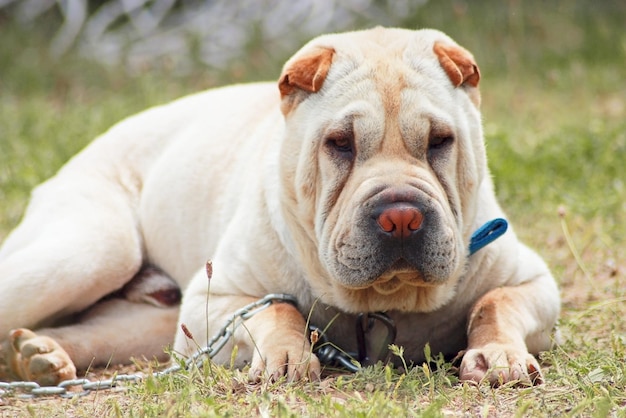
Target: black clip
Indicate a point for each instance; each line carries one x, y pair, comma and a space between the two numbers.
365, 323
330, 354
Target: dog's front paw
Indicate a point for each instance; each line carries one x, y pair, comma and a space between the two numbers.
499, 364
39, 358
292, 360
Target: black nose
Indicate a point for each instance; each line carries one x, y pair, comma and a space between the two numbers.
399, 220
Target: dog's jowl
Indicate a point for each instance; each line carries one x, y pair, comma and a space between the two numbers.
358, 184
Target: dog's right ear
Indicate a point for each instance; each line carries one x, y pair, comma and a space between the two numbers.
304, 73
461, 68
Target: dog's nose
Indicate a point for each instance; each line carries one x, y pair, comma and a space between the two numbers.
400, 220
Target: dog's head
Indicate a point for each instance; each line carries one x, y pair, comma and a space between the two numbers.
381, 165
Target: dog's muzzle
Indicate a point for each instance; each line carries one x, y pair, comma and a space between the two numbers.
399, 236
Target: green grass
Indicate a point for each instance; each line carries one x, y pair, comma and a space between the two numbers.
554, 106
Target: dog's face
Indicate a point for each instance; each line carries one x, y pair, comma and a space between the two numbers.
381, 165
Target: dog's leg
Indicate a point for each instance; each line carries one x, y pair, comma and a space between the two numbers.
76, 244
79, 241
116, 330
505, 326
274, 339
112, 332
101, 335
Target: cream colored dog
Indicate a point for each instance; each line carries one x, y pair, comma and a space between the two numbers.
355, 186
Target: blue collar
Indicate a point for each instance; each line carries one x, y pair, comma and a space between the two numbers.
487, 233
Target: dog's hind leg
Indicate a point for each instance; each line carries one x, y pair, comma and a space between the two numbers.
112, 332
137, 322
76, 244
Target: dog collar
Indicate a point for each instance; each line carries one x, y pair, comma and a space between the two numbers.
487, 233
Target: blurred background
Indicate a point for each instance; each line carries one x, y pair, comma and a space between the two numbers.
250, 38
181, 33
553, 103
553, 86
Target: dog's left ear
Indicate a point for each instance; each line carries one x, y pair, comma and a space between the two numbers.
460, 66
305, 73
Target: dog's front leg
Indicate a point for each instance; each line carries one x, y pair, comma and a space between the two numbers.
280, 345
273, 341
505, 326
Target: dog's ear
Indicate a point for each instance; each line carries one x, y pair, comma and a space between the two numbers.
458, 63
305, 73
460, 66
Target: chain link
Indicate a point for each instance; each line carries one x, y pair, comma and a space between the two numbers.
32, 389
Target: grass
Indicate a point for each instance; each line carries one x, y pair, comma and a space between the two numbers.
554, 105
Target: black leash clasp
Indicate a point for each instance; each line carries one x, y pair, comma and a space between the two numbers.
331, 355
372, 340
378, 345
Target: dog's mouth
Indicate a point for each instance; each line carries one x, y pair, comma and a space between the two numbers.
399, 276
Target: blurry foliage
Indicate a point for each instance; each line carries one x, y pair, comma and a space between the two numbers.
181, 33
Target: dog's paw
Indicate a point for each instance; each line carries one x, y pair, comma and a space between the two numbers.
39, 358
499, 364
295, 362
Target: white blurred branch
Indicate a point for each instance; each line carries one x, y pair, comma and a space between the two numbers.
136, 32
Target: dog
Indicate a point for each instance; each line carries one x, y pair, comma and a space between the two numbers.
355, 186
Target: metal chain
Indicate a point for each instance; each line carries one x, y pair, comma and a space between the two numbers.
32, 389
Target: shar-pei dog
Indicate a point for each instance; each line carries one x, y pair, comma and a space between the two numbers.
358, 185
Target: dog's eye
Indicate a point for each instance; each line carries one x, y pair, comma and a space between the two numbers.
341, 144
438, 142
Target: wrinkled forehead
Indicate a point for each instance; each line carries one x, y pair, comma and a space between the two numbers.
383, 49
399, 74
388, 56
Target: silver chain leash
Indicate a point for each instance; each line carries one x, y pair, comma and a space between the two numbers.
27, 390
